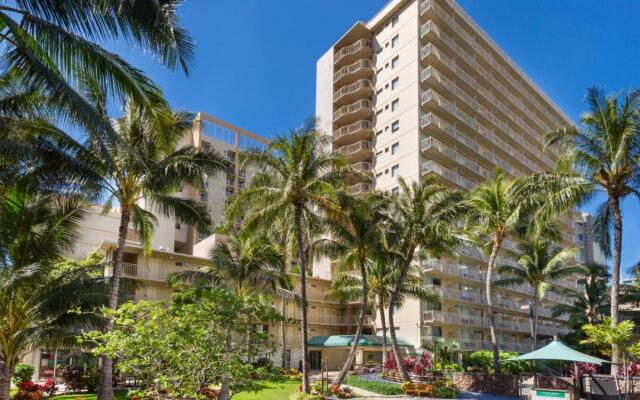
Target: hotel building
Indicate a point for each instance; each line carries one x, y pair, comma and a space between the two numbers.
421, 90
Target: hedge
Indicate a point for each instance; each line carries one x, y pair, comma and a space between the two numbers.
384, 388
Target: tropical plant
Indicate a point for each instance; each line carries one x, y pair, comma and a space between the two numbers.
540, 264
602, 155
44, 302
303, 178
423, 215
382, 273
591, 303
50, 47
354, 240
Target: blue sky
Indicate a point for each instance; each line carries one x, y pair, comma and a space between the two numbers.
255, 59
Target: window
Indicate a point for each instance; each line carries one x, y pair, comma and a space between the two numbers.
395, 191
395, 170
395, 61
394, 148
395, 41
177, 225
395, 83
395, 126
395, 104
395, 20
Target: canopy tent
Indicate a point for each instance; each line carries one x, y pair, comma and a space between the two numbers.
347, 340
557, 350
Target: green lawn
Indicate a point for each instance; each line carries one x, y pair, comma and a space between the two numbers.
119, 395
270, 391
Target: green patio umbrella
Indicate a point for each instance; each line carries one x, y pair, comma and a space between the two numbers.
557, 350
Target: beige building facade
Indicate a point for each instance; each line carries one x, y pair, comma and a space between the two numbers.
420, 90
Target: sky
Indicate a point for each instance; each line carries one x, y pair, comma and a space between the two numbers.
255, 59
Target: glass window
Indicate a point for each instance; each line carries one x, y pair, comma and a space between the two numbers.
395, 191
395, 61
395, 170
395, 126
395, 20
395, 104
395, 83
394, 148
395, 41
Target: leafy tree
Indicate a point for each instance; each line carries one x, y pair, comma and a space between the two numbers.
50, 47
591, 304
303, 179
602, 155
39, 291
539, 263
188, 344
424, 215
382, 274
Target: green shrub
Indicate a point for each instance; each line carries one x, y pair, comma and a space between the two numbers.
455, 367
23, 372
483, 361
384, 388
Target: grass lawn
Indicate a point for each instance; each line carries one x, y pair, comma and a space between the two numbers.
270, 391
118, 394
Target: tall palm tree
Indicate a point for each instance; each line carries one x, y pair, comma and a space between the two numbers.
138, 169
49, 47
382, 274
305, 177
424, 216
591, 304
601, 155
38, 292
539, 264
354, 239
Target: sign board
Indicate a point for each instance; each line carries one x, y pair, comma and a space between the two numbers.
550, 394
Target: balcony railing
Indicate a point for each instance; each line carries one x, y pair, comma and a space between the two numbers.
354, 148
362, 167
360, 45
347, 70
357, 127
364, 104
359, 188
433, 143
452, 176
362, 85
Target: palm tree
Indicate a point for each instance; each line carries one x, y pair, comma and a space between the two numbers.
358, 235
49, 47
39, 293
139, 169
305, 176
382, 274
424, 215
539, 263
591, 304
601, 155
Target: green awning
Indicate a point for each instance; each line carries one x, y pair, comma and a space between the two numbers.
557, 350
346, 340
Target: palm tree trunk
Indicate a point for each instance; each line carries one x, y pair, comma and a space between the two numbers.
383, 322
534, 314
614, 201
5, 382
492, 315
283, 330
393, 301
303, 298
356, 339
106, 379
224, 384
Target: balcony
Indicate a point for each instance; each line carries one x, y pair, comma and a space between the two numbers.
348, 94
360, 49
453, 269
363, 167
433, 147
449, 175
359, 188
440, 317
360, 130
360, 151
143, 272
349, 73
361, 109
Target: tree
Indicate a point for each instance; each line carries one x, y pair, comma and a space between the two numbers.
602, 155
50, 47
495, 212
382, 274
39, 290
355, 239
424, 215
540, 264
590, 304
179, 348
304, 178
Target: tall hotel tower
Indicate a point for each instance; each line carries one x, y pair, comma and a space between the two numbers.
421, 89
